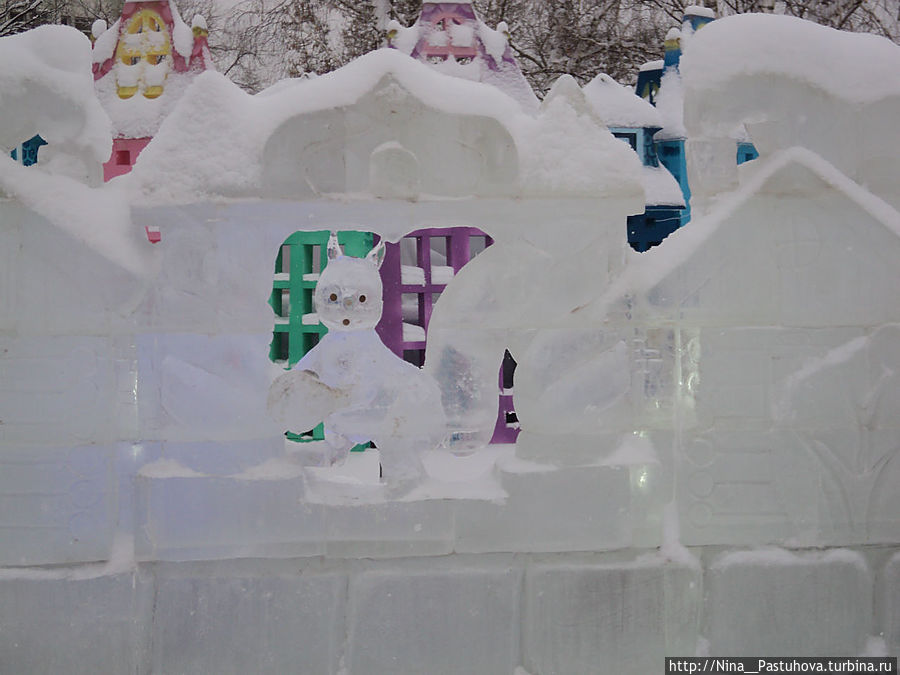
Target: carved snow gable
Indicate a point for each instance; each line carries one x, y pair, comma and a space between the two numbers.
389, 143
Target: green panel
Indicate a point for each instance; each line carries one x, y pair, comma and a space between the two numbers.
317, 434
276, 352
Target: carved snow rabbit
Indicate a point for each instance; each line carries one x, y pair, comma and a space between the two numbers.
353, 383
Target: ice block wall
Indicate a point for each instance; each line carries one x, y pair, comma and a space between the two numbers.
708, 455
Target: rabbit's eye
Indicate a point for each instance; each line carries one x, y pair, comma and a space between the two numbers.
362, 298
333, 297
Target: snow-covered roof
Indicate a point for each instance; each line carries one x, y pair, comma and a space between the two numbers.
214, 142
619, 106
855, 67
46, 88
607, 101
660, 187
698, 10
567, 88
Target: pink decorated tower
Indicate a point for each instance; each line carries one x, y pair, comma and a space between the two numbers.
451, 38
142, 65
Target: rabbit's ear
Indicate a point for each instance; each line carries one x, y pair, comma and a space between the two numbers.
334, 248
376, 255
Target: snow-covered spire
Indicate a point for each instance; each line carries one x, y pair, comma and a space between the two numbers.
695, 17
198, 25
98, 28
672, 49
382, 13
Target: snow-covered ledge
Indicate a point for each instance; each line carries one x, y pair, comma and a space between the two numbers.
489, 502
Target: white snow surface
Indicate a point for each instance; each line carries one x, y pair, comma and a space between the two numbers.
105, 44
405, 38
98, 28
448, 477
652, 65
699, 10
619, 106
167, 468
782, 557
98, 217
139, 116
412, 275
670, 106
495, 42
182, 35
46, 88
560, 151
660, 187
413, 333
765, 44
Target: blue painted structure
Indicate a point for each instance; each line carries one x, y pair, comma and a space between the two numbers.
652, 226
27, 152
649, 78
672, 57
671, 154
746, 152
641, 141
695, 21
657, 222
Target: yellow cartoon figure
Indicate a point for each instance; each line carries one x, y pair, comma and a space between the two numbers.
143, 57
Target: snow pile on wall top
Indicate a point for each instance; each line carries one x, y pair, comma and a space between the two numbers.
214, 142
46, 88
855, 67
619, 106
97, 218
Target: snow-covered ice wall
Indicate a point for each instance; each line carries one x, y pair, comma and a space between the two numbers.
697, 421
